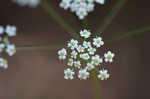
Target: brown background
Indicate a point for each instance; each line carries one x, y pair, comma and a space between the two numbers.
38, 74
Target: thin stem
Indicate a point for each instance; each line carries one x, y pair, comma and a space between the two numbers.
128, 34
39, 47
111, 15
96, 83
59, 19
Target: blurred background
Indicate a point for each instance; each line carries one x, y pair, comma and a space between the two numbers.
38, 74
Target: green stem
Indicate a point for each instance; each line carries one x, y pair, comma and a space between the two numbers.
59, 19
96, 83
128, 34
111, 15
39, 47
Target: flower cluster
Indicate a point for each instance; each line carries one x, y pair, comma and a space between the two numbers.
82, 57
30, 3
5, 45
80, 7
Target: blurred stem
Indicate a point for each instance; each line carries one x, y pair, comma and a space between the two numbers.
96, 83
84, 23
111, 15
128, 34
39, 47
59, 19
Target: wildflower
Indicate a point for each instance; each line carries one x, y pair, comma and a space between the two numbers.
91, 51
96, 60
2, 46
33, 3
77, 64
86, 44
62, 53
83, 74
85, 56
73, 44
74, 54
98, 42
70, 62
80, 49
68, 74
100, 1
1, 29
3, 63
90, 66
30, 3
82, 58
10, 30
11, 49
85, 33
109, 56
103, 75
65, 4
90, 7
80, 7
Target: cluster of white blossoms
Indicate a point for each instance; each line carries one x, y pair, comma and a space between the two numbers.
30, 3
80, 7
82, 57
10, 49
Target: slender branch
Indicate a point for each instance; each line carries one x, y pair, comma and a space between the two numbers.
39, 47
128, 34
111, 15
59, 19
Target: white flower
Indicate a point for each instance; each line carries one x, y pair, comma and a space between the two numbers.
86, 44
103, 75
68, 73
30, 3
73, 44
85, 33
96, 60
3, 63
83, 74
85, 56
100, 1
109, 56
77, 64
62, 53
10, 30
91, 51
70, 62
33, 3
80, 7
65, 4
74, 7
2, 46
74, 54
80, 49
1, 29
11, 49
81, 13
5, 40
98, 42
90, 7
90, 66
22, 3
